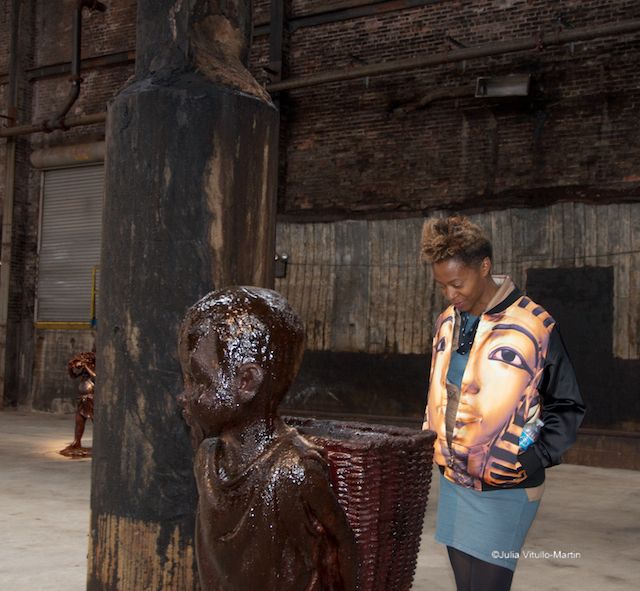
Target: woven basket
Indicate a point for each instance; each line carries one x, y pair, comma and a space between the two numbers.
381, 475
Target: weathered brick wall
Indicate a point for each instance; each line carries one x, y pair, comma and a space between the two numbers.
348, 149
41, 97
102, 32
98, 87
307, 7
3, 102
261, 10
5, 27
575, 138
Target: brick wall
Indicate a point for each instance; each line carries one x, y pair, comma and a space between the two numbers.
102, 32
5, 27
575, 138
98, 87
3, 102
261, 10
364, 148
46, 40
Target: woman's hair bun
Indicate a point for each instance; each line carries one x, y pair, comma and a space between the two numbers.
454, 237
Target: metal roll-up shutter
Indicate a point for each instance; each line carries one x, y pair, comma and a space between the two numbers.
71, 232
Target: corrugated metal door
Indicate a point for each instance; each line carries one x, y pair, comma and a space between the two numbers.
70, 238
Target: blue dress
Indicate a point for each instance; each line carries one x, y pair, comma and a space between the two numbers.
490, 525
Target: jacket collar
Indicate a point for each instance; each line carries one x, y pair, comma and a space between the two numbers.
506, 295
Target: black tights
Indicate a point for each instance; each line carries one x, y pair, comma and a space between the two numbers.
473, 574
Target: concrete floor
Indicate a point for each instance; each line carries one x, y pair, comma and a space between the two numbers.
593, 513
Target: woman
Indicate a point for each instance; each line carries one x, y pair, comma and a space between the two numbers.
498, 365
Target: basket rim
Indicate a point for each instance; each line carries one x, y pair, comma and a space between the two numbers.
396, 435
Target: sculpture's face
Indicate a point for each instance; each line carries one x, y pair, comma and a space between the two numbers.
209, 399
498, 376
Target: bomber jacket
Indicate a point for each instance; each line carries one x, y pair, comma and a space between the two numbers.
518, 370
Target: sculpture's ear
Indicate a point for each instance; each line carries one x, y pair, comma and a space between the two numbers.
250, 376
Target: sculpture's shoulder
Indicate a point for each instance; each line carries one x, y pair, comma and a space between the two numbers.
290, 466
307, 451
298, 462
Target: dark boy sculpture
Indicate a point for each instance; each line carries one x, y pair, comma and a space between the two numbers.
82, 366
267, 518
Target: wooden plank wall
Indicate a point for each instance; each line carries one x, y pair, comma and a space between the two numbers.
359, 285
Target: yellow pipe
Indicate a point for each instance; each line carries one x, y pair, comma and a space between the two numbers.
94, 277
63, 325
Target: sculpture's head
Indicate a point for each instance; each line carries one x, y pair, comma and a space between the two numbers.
240, 349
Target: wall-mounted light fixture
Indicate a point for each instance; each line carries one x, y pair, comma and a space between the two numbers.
502, 86
281, 265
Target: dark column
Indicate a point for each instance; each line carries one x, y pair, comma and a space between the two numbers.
19, 219
189, 206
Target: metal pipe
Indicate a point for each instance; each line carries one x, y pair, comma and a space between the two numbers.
458, 55
118, 58
72, 155
9, 195
68, 123
58, 122
343, 11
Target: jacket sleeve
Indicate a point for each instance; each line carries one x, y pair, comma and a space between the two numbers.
562, 409
425, 422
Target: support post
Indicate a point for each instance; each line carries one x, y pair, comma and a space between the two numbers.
190, 206
6, 253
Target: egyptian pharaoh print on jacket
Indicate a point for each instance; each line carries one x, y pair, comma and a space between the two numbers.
478, 436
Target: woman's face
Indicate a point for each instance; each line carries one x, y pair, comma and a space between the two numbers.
501, 370
464, 286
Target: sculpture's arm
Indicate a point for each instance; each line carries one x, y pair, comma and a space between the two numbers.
324, 506
202, 469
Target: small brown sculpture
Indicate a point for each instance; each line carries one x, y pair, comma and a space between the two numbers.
267, 518
83, 366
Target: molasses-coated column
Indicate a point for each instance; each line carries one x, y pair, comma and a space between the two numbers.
189, 207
